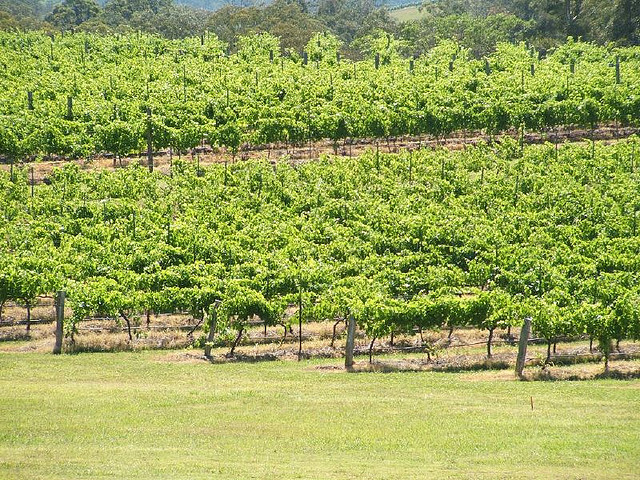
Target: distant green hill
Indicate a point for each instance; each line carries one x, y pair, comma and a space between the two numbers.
33, 8
407, 14
215, 4
40, 8
211, 4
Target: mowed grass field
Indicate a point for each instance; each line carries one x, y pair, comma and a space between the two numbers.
407, 14
162, 415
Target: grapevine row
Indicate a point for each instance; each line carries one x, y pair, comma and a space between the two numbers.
483, 237
79, 95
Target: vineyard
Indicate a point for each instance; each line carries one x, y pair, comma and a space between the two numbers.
188, 213
411, 242
404, 244
80, 95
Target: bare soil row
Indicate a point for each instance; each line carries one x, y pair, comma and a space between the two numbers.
300, 153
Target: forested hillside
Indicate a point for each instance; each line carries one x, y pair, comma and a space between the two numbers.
309, 4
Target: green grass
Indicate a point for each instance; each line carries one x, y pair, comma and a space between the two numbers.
407, 14
147, 415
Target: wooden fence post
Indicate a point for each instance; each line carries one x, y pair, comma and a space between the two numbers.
213, 322
299, 324
149, 141
69, 108
57, 349
351, 334
522, 346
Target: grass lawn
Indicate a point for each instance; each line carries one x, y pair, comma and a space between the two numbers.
407, 14
163, 415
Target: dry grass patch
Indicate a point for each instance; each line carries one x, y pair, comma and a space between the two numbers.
463, 350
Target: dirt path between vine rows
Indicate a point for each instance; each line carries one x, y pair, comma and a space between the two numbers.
297, 154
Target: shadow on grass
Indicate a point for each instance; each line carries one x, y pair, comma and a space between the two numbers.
486, 364
118, 347
427, 366
241, 358
618, 375
15, 337
547, 376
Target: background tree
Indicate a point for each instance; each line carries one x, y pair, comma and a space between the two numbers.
290, 21
122, 11
174, 21
72, 13
8, 21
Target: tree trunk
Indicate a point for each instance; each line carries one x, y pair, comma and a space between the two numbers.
126, 319
191, 332
333, 338
148, 319
236, 342
450, 332
606, 346
590, 344
28, 305
391, 340
546, 361
371, 350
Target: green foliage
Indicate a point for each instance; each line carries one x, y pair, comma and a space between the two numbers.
324, 47
119, 137
258, 96
257, 48
241, 303
484, 237
382, 44
119, 10
71, 13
